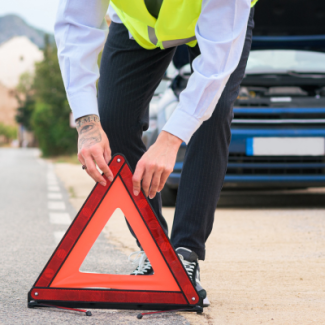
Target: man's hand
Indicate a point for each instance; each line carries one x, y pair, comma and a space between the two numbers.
156, 164
93, 147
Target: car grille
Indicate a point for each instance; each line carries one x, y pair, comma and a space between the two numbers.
240, 164
279, 116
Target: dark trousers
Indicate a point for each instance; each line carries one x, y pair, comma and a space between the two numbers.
129, 76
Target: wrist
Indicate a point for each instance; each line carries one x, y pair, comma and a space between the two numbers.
83, 121
170, 140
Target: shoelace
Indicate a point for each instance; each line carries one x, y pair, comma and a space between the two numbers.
142, 261
189, 267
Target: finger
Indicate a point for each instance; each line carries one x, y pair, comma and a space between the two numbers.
146, 181
155, 183
163, 180
137, 177
103, 166
108, 157
93, 171
107, 154
81, 159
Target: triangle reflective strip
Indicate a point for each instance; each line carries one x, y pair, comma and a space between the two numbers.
61, 280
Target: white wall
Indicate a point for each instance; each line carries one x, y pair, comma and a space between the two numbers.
18, 55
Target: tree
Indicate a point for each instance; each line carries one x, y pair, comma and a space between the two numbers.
26, 100
50, 117
7, 133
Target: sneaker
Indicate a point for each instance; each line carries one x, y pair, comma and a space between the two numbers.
191, 264
144, 267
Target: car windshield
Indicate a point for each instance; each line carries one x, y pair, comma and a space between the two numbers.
277, 61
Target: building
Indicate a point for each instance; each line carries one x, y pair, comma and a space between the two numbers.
17, 56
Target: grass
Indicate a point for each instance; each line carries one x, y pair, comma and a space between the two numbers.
72, 159
72, 192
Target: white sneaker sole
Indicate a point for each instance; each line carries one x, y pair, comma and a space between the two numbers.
206, 302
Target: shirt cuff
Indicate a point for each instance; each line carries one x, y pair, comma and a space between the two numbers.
83, 104
182, 125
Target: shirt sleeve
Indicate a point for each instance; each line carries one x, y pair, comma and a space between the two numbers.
220, 32
80, 33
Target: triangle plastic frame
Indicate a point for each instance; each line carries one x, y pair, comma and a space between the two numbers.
62, 284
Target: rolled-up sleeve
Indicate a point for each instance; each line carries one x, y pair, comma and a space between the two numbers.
220, 32
80, 33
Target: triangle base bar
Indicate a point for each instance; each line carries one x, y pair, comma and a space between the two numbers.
113, 305
62, 284
107, 296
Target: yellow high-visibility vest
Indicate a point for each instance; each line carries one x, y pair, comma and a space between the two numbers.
174, 26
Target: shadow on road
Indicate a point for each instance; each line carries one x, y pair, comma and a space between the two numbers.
309, 198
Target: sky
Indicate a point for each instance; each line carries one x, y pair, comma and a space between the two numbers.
38, 13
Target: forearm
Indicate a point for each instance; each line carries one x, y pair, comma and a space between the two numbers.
220, 32
80, 33
169, 141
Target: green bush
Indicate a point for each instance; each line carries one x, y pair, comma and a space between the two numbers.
26, 99
8, 132
25, 112
55, 137
51, 115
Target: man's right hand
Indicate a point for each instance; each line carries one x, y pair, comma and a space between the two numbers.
93, 147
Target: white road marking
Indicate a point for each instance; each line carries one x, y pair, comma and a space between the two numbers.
53, 188
62, 218
58, 236
40, 161
51, 178
52, 183
54, 193
54, 196
56, 205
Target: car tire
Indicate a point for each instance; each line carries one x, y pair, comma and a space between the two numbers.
168, 196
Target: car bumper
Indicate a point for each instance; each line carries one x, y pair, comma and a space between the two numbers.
257, 181
246, 171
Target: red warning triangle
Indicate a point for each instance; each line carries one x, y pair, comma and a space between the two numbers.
61, 283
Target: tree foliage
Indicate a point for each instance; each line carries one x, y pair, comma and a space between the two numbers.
26, 100
46, 110
7, 133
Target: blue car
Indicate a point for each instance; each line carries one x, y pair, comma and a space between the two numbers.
278, 130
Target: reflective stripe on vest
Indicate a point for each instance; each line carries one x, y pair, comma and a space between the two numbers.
166, 44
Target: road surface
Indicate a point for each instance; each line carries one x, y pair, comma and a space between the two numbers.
35, 212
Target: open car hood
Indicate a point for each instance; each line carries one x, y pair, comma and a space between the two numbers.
289, 24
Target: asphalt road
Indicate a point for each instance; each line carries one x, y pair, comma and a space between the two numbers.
34, 214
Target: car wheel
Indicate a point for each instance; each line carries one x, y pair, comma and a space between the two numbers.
168, 196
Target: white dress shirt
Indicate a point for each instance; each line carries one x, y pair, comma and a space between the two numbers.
81, 31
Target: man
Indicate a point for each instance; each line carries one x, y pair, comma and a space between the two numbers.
134, 61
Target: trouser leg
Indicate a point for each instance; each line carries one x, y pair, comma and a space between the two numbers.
205, 165
129, 76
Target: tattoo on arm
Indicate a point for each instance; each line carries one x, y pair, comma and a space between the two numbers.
88, 142
85, 129
88, 119
88, 128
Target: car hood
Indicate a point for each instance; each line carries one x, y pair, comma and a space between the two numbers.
289, 24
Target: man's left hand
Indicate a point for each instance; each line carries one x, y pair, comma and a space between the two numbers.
156, 164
